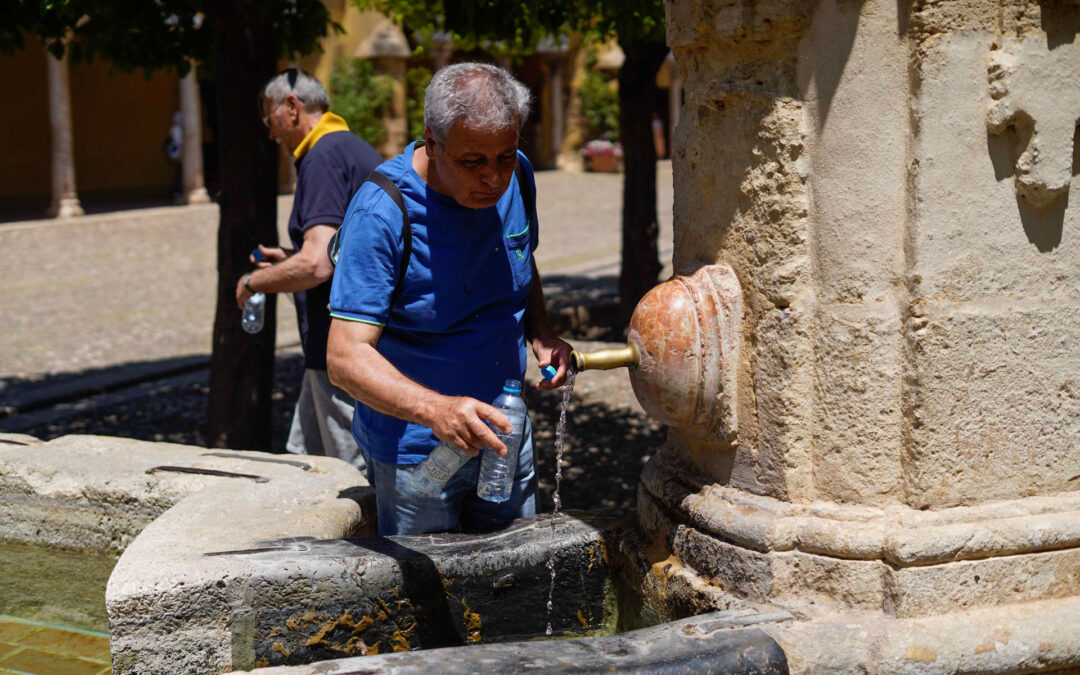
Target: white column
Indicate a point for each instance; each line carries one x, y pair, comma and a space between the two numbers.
674, 99
191, 160
65, 200
558, 106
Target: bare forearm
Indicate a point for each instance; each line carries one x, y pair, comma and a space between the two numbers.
356, 366
296, 273
369, 378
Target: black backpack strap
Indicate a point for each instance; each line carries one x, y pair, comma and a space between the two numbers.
333, 249
391, 189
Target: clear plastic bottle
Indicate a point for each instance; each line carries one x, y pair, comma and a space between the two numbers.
497, 473
251, 318
431, 475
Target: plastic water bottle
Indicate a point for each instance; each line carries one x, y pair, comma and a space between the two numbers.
252, 316
437, 468
497, 473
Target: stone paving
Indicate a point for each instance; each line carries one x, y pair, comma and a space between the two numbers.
90, 302
33, 648
134, 286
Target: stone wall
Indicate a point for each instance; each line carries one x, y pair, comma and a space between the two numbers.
889, 180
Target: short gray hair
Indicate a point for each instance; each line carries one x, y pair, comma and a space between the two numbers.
481, 95
305, 87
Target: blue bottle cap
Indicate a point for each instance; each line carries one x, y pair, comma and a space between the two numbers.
548, 372
512, 386
257, 254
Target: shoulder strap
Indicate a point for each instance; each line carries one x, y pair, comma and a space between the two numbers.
391, 189
388, 186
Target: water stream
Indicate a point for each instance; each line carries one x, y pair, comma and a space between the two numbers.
560, 440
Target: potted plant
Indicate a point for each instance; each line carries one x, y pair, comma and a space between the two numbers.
602, 155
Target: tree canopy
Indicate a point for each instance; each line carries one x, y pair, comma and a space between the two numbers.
519, 25
151, 35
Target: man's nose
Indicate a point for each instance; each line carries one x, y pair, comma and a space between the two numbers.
490, 178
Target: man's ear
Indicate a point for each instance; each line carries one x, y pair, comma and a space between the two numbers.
295, 107
429, 142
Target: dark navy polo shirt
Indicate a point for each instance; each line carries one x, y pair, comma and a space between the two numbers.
327, 176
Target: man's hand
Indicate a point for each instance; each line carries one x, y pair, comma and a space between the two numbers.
552, 351
270, 256
242, 293
460, 421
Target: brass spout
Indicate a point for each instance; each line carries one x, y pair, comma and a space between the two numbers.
606, 359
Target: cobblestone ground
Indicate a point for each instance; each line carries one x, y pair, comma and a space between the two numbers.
110, 292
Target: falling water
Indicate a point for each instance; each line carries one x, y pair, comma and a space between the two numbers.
560, 440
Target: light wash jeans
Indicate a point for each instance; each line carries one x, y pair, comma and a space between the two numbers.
402, 510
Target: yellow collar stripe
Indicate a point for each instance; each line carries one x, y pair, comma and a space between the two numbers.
328, 124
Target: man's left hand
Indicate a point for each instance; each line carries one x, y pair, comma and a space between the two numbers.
552, 351
242, 293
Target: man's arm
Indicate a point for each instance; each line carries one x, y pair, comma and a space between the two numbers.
548, 348
307, 268
353, 364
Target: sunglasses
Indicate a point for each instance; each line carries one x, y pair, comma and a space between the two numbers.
291, 74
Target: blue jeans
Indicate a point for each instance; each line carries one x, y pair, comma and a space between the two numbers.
402, 510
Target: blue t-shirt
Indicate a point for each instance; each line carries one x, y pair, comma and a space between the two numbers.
327, 176
457, 324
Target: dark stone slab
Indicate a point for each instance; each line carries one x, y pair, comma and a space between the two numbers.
328, 599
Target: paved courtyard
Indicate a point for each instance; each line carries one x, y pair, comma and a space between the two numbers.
93, 304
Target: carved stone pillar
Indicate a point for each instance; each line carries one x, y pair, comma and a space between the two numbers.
192, 159
890, 183
65, 199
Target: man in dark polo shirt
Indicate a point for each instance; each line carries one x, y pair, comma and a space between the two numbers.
331, 164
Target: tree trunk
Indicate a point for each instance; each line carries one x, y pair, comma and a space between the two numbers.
640, 229
242, 365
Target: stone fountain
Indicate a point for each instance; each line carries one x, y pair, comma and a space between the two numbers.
868, 355
867, 359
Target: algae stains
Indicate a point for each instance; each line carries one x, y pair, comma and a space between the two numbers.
473, 624
921, 653
281, 649
345, 620
399, 641
581, 617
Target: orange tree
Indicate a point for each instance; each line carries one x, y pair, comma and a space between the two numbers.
239, 42
638, 25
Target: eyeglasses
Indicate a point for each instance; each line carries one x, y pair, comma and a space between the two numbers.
291, 74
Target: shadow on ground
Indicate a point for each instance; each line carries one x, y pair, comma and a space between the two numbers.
608, 437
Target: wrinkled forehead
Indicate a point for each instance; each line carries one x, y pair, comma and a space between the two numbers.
466, 138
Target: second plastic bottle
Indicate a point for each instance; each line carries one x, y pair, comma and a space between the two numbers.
496, 480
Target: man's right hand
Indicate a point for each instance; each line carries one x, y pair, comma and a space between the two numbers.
460, 421
271, 256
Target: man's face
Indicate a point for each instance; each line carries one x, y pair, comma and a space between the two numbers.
280, 119
474, 167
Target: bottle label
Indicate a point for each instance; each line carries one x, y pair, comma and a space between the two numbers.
436, 473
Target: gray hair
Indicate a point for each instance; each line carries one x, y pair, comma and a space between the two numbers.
305, 87
481, 95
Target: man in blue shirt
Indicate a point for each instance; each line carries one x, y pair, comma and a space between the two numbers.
331, 164
425, 352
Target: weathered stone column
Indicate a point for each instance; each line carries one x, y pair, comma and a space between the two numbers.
192, 159
890, 183
65, 199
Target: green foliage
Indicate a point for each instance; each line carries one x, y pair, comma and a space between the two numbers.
516, 26
361, 97
599, 96
155, 34
416, 81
